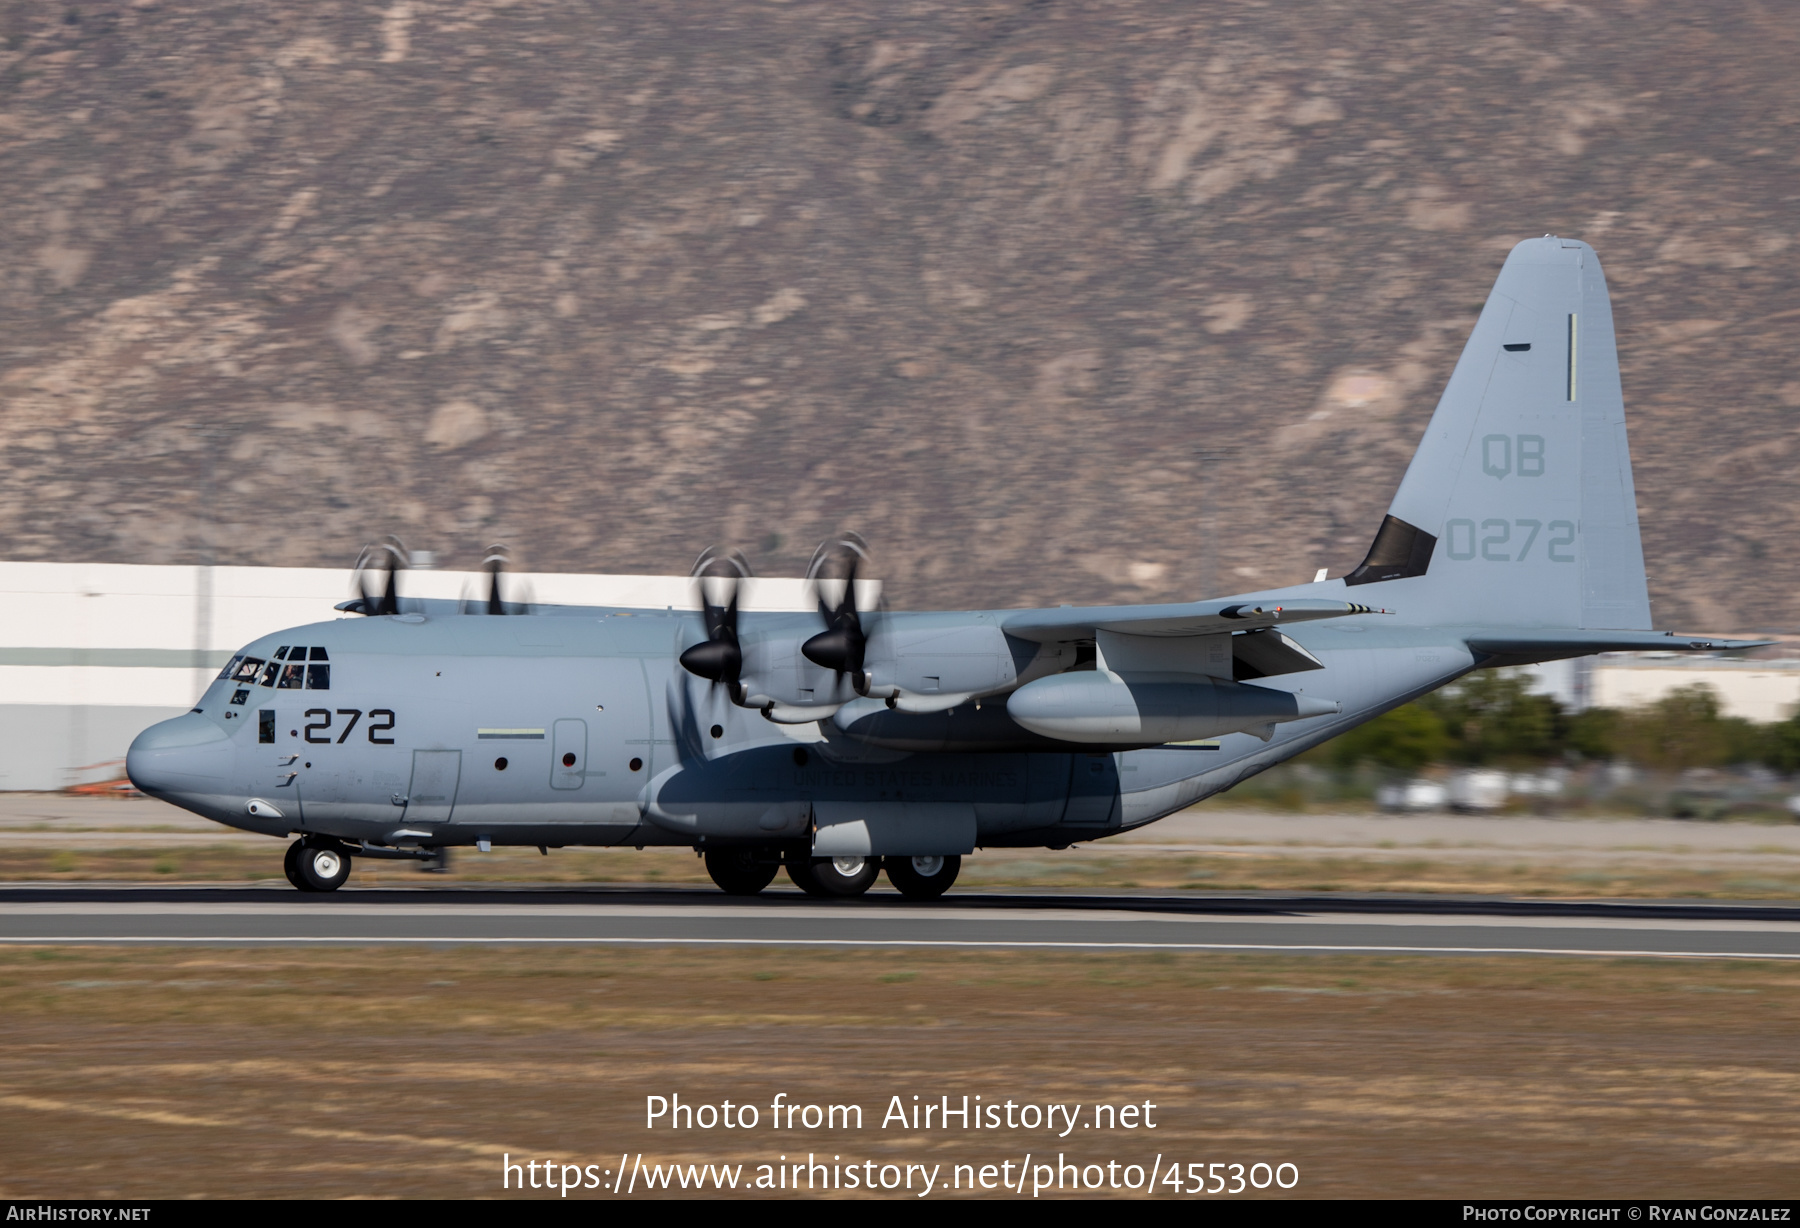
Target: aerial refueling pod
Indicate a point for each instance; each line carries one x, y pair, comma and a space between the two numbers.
1098, 706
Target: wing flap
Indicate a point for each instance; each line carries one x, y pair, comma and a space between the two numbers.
1268, 654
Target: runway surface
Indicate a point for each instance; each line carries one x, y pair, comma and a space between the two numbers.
56, 913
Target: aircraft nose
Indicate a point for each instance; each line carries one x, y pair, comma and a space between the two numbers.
179, 755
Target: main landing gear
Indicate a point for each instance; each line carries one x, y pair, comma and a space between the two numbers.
916, 878
316, 867
739, 871
922, 878
833, 877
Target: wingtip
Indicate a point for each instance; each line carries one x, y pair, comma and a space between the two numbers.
1713, 643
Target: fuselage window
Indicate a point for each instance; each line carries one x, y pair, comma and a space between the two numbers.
244, 669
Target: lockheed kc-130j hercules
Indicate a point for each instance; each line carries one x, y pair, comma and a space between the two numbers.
848, 741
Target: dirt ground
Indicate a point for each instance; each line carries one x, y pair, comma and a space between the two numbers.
362, 1072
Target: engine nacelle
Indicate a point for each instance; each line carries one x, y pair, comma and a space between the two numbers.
930, 666
1098, 706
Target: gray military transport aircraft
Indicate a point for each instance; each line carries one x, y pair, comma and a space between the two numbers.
850, 741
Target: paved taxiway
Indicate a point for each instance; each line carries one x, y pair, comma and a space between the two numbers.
56, 913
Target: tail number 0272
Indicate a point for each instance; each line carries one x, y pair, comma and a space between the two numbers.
381, 721
1508, 541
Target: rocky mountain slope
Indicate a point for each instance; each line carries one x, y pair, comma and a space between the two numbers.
1053, 301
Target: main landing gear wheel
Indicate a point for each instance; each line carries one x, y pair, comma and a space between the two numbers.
322, 869
738, 872
922, 878
290, 864
833, 877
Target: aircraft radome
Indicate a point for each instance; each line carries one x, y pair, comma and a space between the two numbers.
848, 741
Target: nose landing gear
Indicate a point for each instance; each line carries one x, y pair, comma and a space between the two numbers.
316, 867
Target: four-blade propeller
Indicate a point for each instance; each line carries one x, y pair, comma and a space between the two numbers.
494, 563
383, 596
844, 643
718, 573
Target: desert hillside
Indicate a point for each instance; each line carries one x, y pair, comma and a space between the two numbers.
1037, 296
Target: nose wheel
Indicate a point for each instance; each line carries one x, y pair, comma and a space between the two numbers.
316, 867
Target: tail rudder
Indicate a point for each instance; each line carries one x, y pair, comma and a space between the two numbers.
1518, 507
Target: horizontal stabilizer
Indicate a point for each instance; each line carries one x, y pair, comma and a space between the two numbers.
1551, 644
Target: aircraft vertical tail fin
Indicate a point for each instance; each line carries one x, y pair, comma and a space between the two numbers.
1518, 507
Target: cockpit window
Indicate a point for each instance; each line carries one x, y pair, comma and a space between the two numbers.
229, 666
289, 670
244, 669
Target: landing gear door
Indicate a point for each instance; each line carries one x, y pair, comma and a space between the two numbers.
1093, 792
433, 793
568, 758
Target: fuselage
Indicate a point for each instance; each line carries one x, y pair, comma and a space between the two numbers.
581, 729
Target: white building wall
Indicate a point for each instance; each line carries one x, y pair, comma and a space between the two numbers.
1757, 690
1752, 688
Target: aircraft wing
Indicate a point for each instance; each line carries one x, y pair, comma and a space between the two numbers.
1174, 620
